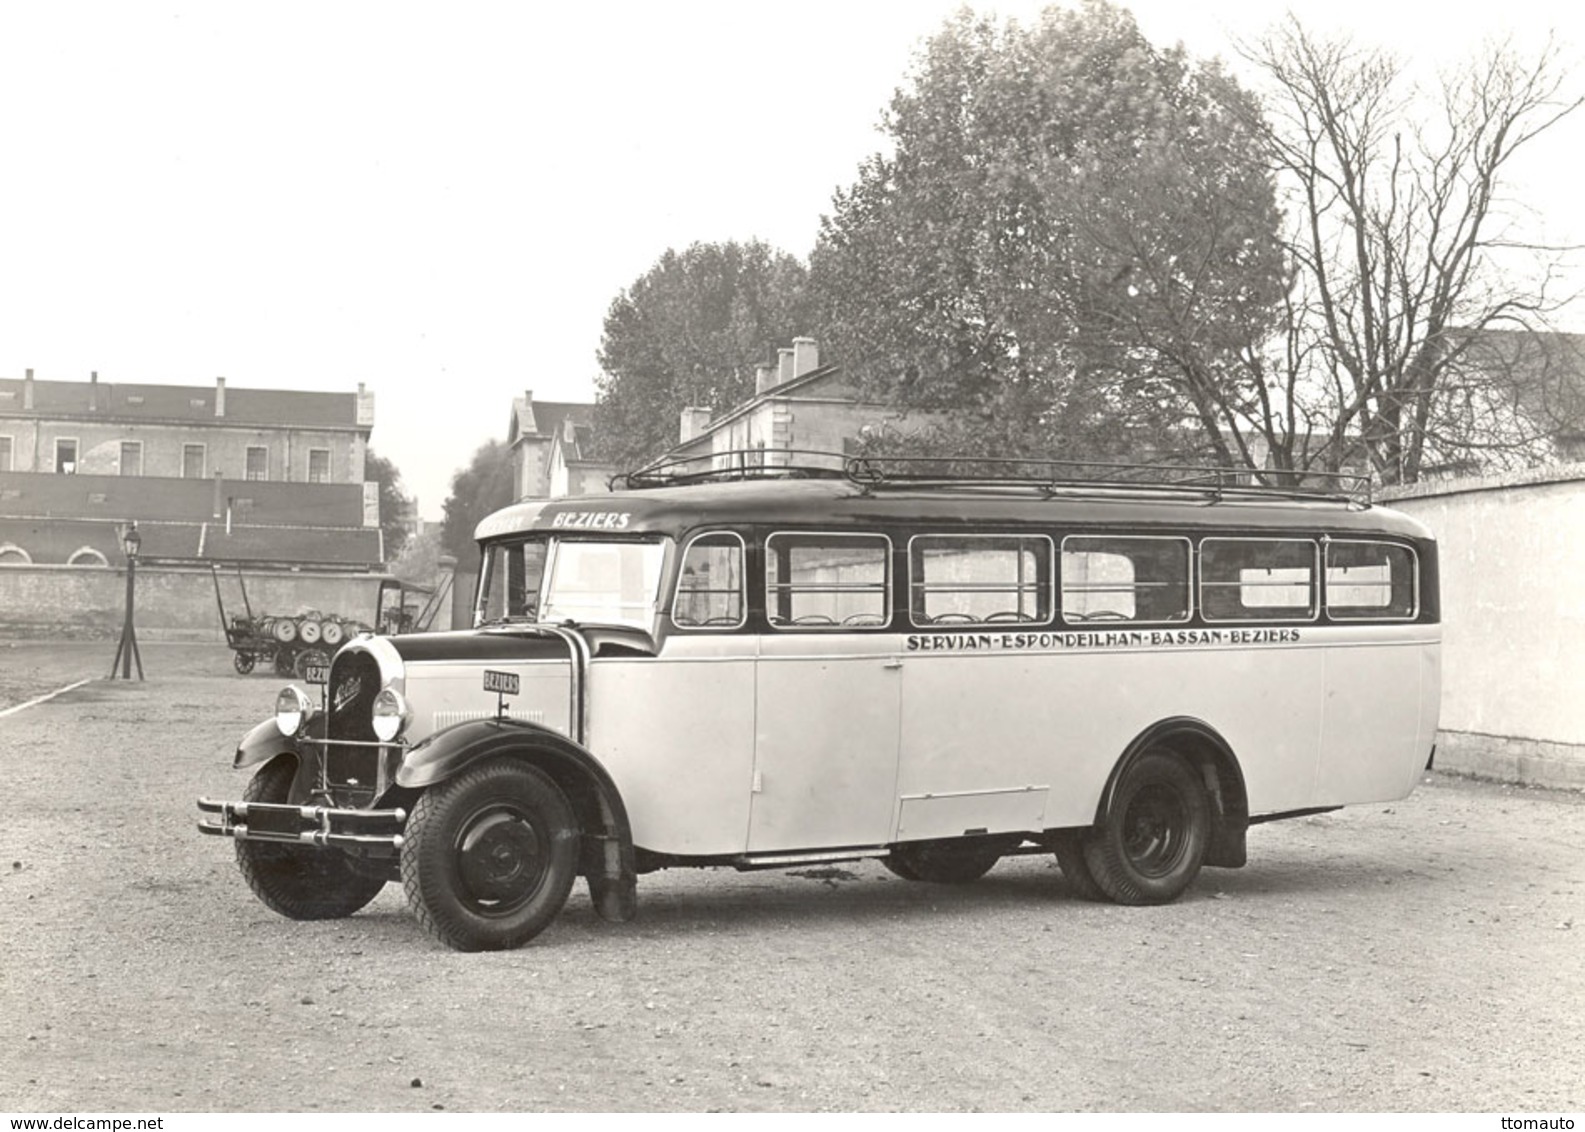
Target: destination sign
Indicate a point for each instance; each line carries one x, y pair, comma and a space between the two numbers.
503, 682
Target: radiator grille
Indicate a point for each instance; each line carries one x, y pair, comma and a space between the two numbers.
351, 772
452, 718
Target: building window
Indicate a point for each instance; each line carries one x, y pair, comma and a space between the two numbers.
66, 457
132, 457
319, 465
5, 453
193, 461
258, 463
87, 556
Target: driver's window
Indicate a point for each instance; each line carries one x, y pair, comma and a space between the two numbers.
513, 572
710, 587
819, 581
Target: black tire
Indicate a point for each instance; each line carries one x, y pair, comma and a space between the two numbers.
944, 862
298, 881
242, 662
490, 856
1150, 845
1069, 848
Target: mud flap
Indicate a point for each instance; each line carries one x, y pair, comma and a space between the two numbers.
615, 898
1227, 849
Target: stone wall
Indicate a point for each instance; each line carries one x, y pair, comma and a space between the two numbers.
1512, 551
172, 603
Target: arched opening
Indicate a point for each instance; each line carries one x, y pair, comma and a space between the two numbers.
13, 555
87, 556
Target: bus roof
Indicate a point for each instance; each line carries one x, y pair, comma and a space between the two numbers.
836, 504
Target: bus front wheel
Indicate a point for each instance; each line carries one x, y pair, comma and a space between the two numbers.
1149, 846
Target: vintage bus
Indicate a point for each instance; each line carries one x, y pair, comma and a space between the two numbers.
933, 665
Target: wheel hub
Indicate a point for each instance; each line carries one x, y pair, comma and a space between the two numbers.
1153, 832
500, 859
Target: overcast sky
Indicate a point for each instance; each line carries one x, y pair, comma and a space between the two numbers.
442, 200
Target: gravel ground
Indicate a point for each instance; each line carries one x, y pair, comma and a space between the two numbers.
1424, 955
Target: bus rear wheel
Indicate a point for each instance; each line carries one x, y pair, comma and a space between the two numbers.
1149, 846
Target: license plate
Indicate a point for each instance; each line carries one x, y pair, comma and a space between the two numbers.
503, 682
316, 673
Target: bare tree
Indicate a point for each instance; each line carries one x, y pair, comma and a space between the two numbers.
1403, 248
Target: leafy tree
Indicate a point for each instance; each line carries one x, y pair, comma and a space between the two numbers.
394, 503
485, 485
1408, 256
1070, 246
689, 332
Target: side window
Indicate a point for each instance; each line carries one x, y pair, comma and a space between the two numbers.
1251, 579
820, 581
1370, 581
979, 580
1123, 578
710, 588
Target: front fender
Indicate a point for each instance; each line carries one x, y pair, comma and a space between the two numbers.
265, 741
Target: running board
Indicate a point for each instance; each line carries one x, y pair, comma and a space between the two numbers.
831, 856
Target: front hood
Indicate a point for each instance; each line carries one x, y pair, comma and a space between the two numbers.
481, 645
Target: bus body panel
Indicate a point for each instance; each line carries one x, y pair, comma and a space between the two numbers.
676, 734
1061, 720
825, 775
1382, 694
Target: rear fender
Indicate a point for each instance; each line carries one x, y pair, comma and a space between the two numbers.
1214, 760
608, 860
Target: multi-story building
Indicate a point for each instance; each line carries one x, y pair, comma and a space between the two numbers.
266, 477
549, 442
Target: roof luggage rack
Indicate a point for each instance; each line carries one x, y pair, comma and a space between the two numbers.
738, 464
1090, 477
998, 474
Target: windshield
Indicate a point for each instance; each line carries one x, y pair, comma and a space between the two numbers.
583, 580
612, 583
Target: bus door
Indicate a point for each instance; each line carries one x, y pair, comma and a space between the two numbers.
828, 696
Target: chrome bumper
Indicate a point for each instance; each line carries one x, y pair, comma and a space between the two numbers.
323, 826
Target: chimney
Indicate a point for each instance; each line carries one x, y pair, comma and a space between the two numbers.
93, 391
694, 422
806, 356
764, 378
27, 390
220, 396
784, 365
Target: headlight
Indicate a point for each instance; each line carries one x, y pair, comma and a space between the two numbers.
291, 708
391, 714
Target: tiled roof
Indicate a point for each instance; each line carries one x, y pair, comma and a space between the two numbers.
256, 502
547, 417
54, 541
188, 403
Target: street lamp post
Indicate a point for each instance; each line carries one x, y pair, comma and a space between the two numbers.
127, 650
